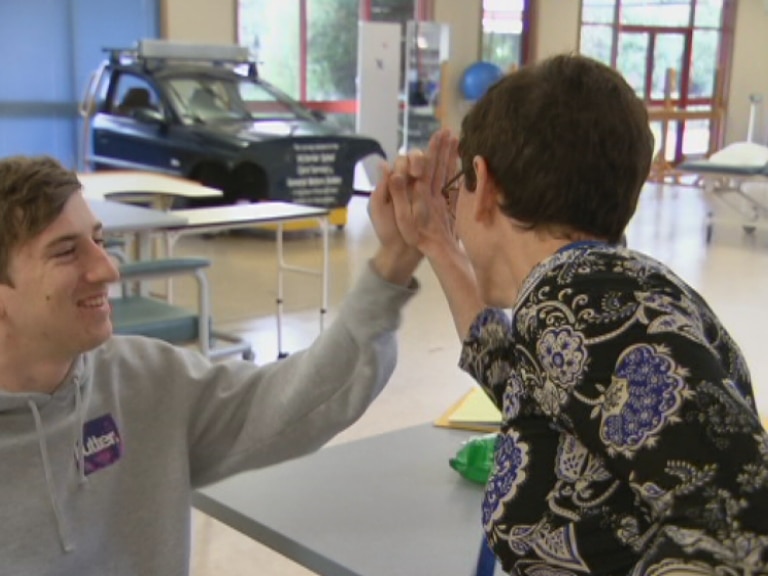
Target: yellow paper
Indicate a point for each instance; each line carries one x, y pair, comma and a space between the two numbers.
474, 411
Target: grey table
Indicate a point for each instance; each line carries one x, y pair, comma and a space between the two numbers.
387, 505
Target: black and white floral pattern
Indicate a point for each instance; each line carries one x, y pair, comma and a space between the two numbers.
630, 442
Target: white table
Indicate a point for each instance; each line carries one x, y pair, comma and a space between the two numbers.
125, 218
382, 506
219, 218
137, 221
121, 218
137, 186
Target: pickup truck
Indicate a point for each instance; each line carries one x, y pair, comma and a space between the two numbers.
202, 112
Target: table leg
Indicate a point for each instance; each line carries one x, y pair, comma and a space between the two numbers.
325, 225
281, 266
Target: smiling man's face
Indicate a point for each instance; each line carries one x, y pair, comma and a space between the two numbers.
57, 301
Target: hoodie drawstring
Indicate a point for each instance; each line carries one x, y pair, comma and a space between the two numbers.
66, 546
79, 448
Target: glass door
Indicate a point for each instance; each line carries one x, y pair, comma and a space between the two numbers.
694, 37
656, 63
668, 53
668, 73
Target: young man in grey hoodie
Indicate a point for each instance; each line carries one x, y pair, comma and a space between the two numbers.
103, 438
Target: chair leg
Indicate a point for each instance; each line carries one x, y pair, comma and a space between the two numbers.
206, 333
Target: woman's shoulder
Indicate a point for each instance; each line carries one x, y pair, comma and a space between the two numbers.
601, 269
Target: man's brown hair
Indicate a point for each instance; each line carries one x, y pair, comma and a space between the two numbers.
567, 141
33, 192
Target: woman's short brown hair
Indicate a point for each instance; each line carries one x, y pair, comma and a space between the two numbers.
567, 141
33, 192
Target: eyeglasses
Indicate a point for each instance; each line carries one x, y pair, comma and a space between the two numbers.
451, 192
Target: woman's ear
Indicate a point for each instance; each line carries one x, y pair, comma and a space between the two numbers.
486, 203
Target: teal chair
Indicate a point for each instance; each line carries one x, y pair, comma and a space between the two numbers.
138, 314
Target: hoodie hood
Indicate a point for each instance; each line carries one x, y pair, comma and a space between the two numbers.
69, 396
11, 402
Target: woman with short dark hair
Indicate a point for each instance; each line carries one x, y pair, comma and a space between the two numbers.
630, 441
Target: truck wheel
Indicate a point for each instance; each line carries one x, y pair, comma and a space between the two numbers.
249, 183
213, 175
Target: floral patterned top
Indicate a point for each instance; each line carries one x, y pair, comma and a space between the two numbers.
630, 442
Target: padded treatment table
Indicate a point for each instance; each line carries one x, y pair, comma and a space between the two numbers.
732, 189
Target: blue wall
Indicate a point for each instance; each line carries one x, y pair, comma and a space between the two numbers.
48, 49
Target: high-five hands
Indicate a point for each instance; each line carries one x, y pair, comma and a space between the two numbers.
407, 208
416, 189
410, 196
396, 260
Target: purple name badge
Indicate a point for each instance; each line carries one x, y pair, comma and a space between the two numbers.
102, 446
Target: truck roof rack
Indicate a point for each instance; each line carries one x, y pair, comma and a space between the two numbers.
152, 52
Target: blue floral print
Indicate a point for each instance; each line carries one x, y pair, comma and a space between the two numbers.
630, 442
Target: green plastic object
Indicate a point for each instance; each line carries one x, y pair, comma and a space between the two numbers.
474, 460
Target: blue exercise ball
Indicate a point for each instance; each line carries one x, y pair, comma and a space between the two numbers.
478, 77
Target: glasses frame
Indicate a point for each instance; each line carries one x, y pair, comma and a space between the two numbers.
450, 191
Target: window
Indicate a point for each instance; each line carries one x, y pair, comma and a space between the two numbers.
663, 13
271, 29
331, 49
131, 94
504, 32
308, 48
670, 52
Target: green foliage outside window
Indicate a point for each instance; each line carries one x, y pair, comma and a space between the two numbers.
332, 49
271, 29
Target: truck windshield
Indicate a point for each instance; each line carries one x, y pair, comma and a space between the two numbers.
209, 99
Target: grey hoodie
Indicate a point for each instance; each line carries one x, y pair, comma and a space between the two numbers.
97, 476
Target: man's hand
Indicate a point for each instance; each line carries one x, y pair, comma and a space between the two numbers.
396, 260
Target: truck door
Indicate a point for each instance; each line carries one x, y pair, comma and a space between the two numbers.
132, 131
